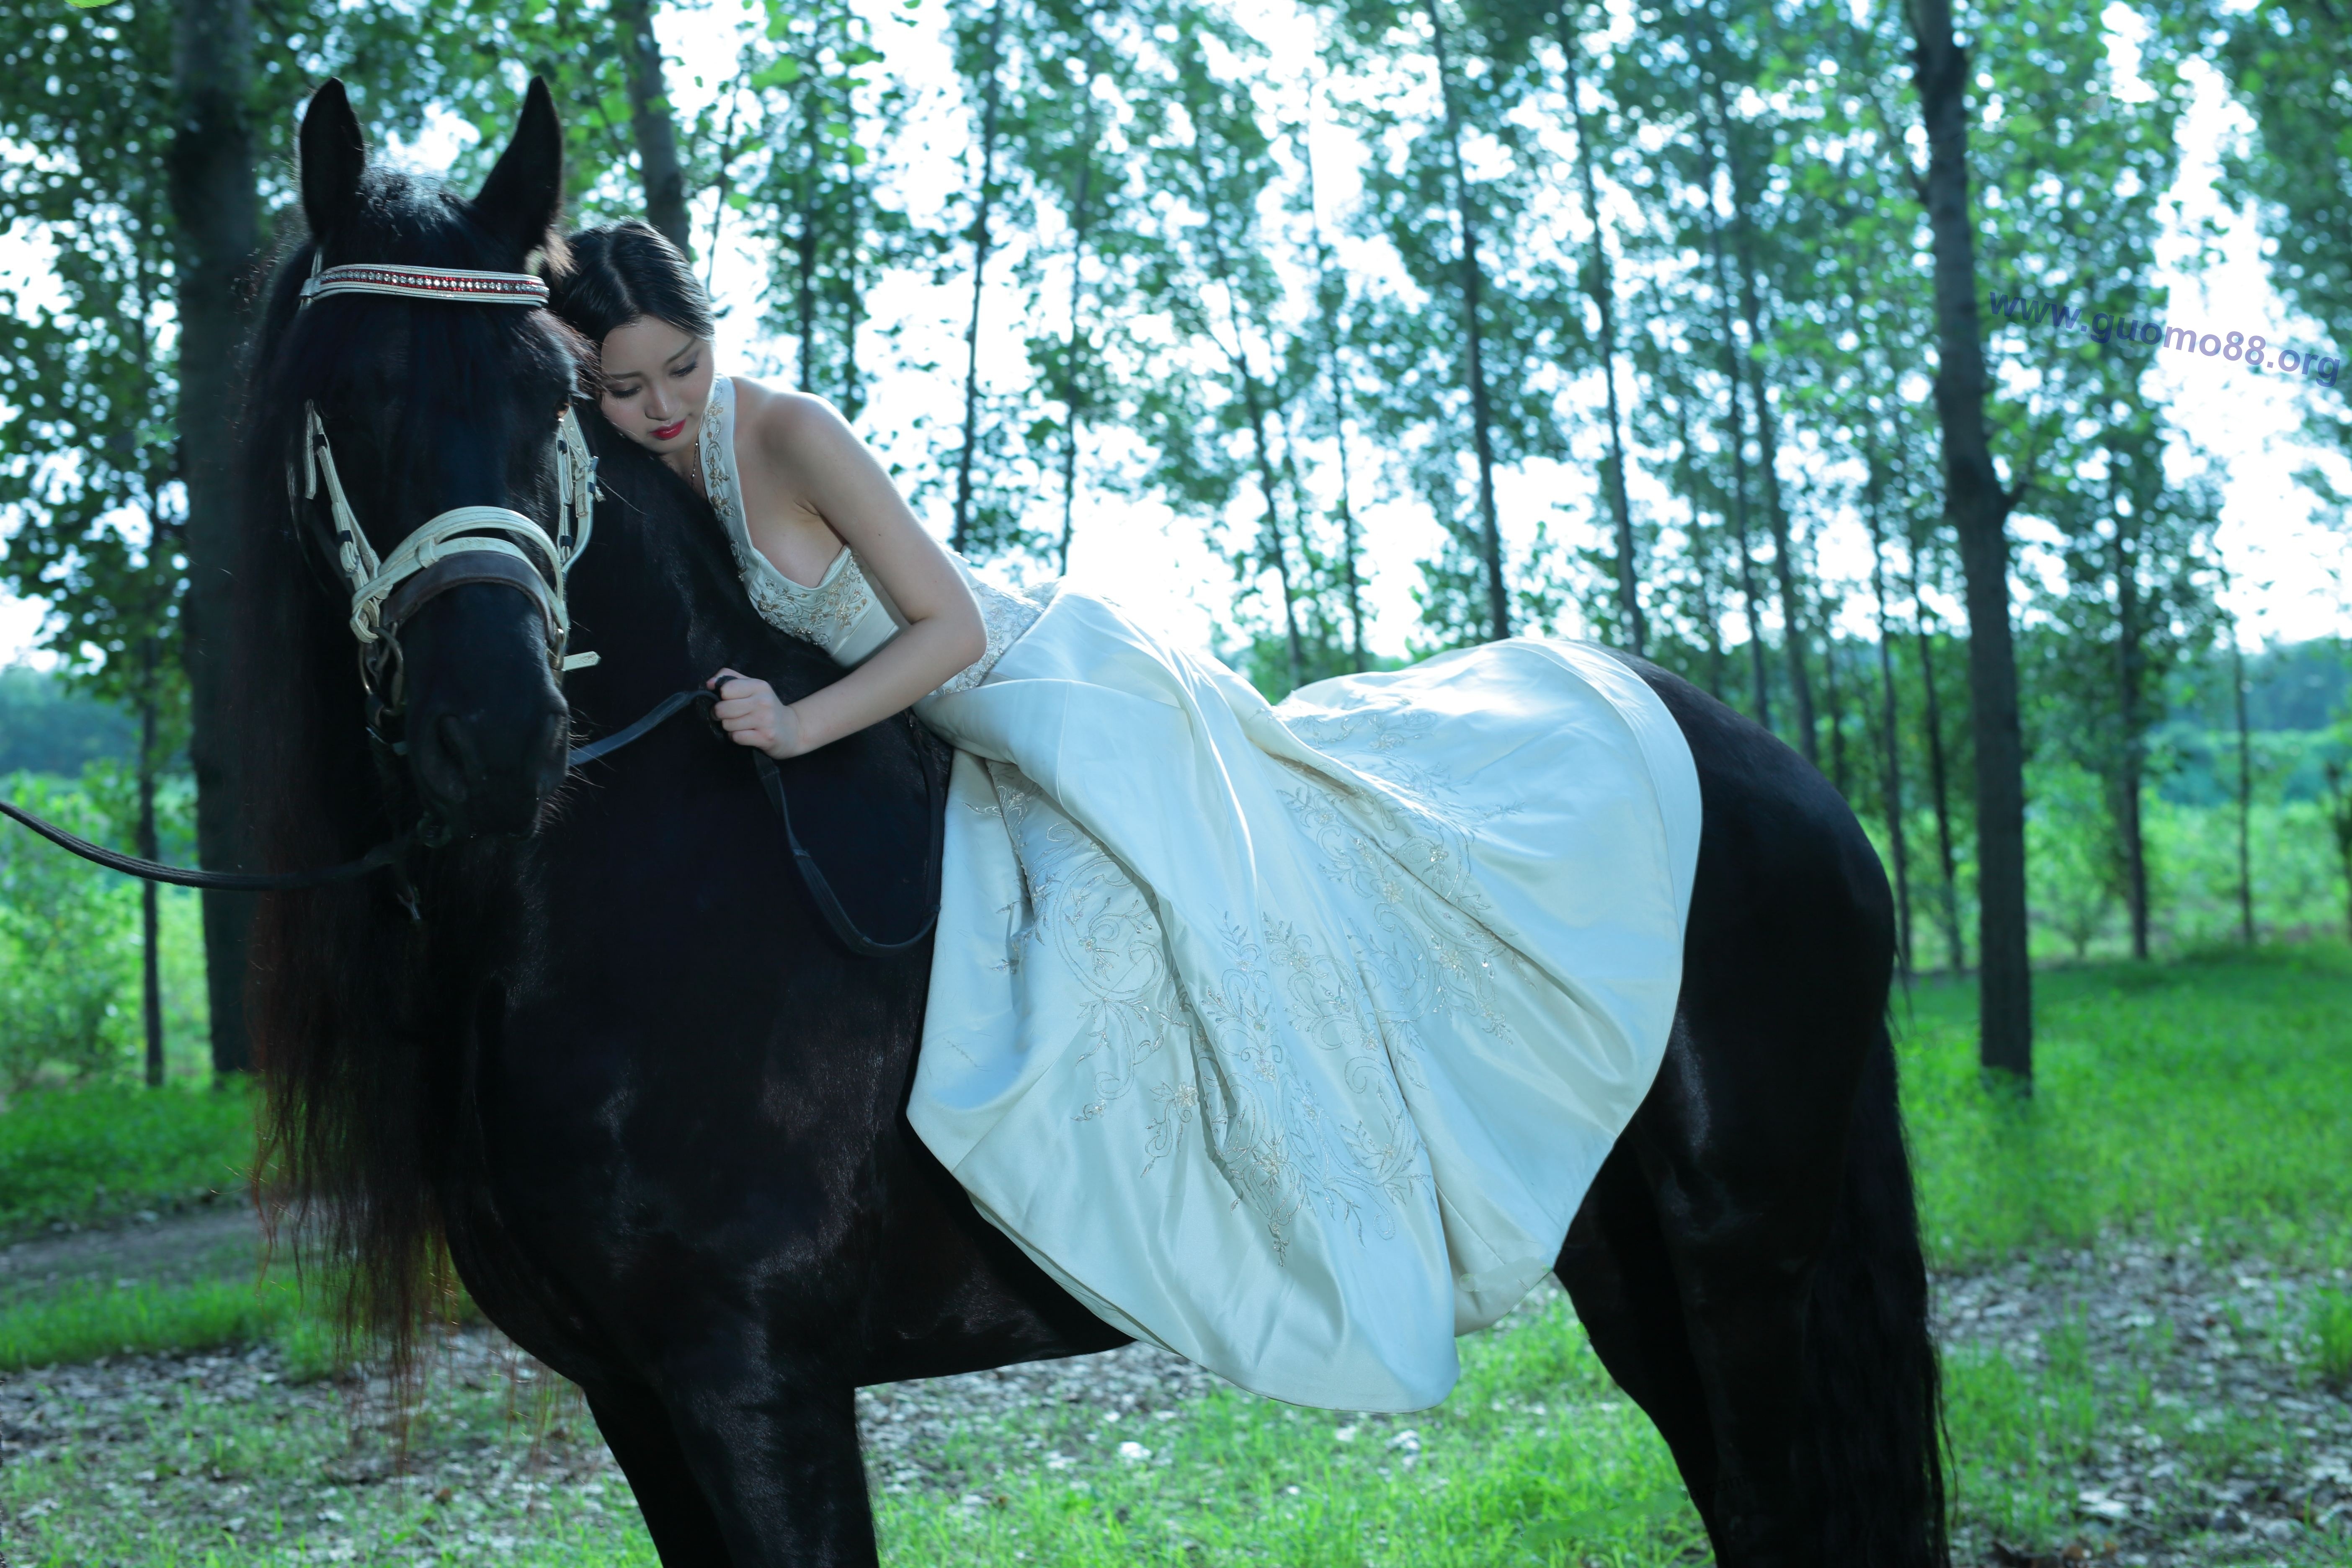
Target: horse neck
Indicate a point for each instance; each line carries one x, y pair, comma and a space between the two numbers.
656, 595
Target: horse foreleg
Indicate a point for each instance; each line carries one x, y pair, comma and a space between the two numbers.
773, 1442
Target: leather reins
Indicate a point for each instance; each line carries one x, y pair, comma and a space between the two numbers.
464, 545
772, 783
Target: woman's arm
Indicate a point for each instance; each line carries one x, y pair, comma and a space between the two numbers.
810, 452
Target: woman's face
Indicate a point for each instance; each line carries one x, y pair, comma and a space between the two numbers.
656, 383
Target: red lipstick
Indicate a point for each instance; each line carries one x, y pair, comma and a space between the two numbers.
669, 431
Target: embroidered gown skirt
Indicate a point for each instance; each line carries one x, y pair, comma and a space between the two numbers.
1288, 1039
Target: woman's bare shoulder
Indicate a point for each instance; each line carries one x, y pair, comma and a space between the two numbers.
783, 422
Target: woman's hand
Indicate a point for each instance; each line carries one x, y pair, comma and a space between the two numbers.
752, 715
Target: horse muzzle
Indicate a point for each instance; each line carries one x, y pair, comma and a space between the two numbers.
487, 727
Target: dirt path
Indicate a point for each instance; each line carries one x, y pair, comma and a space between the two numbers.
219, 1242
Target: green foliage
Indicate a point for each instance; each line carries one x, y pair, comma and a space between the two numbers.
793, 141
1222, 426
69, 931
65, 952
2070, 854
105, 1151
2287, 61
88, 441
2331, 1334
46, 728
2203, 1095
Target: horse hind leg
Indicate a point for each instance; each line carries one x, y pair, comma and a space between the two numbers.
1742, 1220
678, 1515
1621, 1282
1772, 1152
1795, 1247
1874, 1393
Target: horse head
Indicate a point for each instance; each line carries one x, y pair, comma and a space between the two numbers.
432, 423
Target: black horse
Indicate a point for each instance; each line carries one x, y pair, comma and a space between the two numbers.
600, 1044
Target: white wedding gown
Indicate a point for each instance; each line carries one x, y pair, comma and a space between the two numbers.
1288, 1037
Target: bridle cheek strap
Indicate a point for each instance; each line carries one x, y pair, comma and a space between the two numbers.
385, 589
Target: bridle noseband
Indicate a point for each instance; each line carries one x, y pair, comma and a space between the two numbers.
463, 544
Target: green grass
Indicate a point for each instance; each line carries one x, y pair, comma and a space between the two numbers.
1536, 1458
2331, 1336
2021, 1436
87, 1321
192, 1480
2207, 1095
107, 1150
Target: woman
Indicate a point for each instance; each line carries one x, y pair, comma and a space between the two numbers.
1286, 1038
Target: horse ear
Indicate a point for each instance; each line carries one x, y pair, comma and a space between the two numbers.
520, 202
335, 154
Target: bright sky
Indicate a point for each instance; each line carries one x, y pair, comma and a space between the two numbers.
2285, 559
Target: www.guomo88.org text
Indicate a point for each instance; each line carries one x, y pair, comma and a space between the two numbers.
2252, 351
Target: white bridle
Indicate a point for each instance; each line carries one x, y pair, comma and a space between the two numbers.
378, 604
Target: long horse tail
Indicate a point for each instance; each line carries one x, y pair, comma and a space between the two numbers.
1874, 1392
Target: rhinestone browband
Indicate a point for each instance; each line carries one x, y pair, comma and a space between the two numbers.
427, 283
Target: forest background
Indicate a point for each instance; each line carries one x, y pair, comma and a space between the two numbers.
1340, 335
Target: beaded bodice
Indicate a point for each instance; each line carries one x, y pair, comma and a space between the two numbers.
844, 611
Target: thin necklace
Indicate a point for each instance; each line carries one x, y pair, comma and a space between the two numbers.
699, 479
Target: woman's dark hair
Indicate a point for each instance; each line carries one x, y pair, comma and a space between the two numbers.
621, 271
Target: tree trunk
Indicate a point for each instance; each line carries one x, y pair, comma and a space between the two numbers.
1890, 723
657, 166
2339, 820
1977, 510
1295, 645
1767, 442
1738, 444
1081, 214
1955, 955
2245, 791
1710, 617
805, 237
853, 306
1838, 776
1253, 399
1600, 284
1473, 285
991, 98
1718, 659
1330, 345
150, 971
727, 152
217, 209
2130, 842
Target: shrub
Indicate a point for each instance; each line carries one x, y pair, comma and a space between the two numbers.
67, 944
